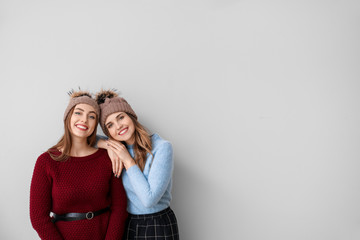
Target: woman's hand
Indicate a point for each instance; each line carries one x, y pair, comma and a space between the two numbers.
117, 165
120, 150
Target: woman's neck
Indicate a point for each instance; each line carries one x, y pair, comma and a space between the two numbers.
80, 147
131, 141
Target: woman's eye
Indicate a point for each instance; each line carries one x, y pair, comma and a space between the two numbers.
77, 113
109, 126
92, 117
121, 117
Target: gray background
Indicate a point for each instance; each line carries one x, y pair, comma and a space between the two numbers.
259, 98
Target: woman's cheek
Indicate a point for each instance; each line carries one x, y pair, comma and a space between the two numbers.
113, 133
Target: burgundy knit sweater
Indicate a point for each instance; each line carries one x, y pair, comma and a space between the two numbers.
80, 184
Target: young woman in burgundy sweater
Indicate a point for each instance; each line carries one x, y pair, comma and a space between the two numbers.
148, 165
73, 182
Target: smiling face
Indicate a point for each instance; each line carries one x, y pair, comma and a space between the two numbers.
83, 121
120, 127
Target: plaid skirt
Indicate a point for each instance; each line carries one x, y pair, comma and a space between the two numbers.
157, 226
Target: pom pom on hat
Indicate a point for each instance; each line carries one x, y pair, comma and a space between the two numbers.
72, 93
103, 94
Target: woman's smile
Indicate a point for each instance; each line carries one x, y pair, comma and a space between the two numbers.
123, 131
81, 127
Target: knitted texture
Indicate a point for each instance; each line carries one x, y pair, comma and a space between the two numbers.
113, 105
81, 184
83, 99
149, 191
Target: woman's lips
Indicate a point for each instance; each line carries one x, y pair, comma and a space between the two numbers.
81, 127
122, 132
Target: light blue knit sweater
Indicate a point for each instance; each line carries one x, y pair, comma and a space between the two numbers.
150, 191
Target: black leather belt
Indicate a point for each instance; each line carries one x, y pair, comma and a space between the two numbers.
77, 216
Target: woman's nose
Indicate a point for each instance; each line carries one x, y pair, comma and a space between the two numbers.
84, 118
117, 125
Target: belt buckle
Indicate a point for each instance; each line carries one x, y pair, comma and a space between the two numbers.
89, 217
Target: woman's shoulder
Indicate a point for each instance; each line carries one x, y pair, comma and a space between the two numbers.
158, 142
102, 152
102, 155
45, 158
46, 155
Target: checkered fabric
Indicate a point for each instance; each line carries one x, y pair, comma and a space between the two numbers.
157, 226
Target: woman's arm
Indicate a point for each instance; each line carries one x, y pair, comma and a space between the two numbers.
119, 214
150, 189
101, 141
40, 202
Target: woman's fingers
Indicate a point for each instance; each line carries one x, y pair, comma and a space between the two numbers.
115, 153
117, 163
121, 165
115, 150
123, 154
113, 165
115, 160
112, 157
115, 144
116, 166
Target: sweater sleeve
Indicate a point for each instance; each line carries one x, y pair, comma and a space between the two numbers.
118, 210
41, 202
150, 190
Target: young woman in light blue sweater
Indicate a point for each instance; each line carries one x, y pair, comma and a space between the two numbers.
148, 163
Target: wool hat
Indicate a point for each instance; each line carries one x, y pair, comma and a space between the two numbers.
109, 103
81, 97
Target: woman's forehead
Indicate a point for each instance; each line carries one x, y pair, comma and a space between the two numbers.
113, 116
85, 107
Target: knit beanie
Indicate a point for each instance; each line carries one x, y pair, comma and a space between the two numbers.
109, 103
81, 97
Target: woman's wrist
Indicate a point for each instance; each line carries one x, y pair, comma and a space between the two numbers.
102, 144
128, 163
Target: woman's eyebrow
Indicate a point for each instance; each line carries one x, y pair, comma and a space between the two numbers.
80, 109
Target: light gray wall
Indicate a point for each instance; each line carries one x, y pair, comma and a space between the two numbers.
259, 98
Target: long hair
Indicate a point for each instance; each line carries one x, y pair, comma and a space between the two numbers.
65, 141
142, 145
